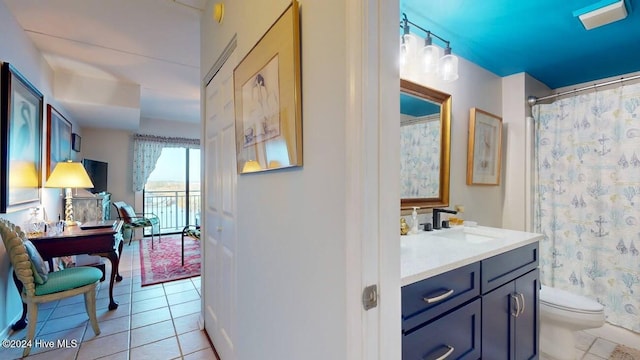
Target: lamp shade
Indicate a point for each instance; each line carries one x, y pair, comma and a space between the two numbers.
449, 67
251, 166
431, 55
69, 175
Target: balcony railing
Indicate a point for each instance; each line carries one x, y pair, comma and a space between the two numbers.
171, 207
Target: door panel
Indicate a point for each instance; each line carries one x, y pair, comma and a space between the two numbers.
527, 323
497, 323
219, 265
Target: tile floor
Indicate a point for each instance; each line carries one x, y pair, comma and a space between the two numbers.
152, 322
161, 322
598, 344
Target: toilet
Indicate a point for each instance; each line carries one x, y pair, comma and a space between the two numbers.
561, 314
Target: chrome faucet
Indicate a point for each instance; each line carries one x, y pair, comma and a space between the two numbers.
436, 217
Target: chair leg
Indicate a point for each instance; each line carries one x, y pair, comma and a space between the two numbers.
131, 230
32, 311
90, 306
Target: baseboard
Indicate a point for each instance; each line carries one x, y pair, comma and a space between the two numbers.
4, 334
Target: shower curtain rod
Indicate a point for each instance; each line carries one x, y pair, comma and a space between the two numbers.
532, 100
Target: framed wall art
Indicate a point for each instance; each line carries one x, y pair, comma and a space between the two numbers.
58, 138
268, 99
21, 105
485, 148
75, 142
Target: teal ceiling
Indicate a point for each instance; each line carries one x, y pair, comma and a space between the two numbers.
539, 37
411, 105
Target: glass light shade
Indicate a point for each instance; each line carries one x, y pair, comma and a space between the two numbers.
431, 55
449, 67
69, 175
408, 48
403, 54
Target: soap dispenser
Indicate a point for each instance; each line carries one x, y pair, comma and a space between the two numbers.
414, 216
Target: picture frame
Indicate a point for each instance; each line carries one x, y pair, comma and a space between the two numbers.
75, 142
21, 108
59, 131
484, 152
268, 110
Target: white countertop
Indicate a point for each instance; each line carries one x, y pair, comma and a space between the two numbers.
427, 254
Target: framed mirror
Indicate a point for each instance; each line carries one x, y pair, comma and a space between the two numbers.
425, 134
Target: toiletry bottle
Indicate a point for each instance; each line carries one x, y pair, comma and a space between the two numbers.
414, 216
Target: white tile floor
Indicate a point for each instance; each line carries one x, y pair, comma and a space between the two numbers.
152, 322
598, 344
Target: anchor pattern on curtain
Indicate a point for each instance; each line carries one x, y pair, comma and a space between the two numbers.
587, 203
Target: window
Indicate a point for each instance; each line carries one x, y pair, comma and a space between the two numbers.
172, 191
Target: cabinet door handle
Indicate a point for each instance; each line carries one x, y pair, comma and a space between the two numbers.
515, 297
523, 303
435, 299
441, 357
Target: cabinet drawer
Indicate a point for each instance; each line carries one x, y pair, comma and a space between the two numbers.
460, 330
429, 298
501, 269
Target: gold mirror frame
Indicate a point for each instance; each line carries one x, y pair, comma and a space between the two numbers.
444, 100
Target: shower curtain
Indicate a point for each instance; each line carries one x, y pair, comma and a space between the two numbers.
587, 198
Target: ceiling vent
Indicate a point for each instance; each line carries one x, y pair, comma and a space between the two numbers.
601, 13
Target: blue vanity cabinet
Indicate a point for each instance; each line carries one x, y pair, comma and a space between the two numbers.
510, 309
486, 310
442, 316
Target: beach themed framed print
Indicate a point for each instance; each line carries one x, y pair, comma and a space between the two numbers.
484, 148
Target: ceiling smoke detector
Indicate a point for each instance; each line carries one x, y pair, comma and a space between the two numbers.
601, 13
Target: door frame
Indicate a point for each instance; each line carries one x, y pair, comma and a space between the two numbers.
373, 149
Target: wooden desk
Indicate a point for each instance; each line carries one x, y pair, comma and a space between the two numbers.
105, 242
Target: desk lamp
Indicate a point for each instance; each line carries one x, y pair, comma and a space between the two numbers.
69, 175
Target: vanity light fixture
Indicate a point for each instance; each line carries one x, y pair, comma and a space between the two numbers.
431, 58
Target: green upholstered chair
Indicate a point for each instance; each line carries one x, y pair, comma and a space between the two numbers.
37, 286
133, 220
192, 231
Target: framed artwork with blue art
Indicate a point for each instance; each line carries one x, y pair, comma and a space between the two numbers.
58, 138
21, 108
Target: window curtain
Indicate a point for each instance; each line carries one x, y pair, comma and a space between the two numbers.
147, 150
587, 203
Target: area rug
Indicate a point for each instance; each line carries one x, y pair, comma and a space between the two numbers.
622, 352
163, 263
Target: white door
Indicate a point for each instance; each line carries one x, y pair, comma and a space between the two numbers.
219, 226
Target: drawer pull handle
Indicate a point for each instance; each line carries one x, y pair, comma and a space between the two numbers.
435, 299
450, 350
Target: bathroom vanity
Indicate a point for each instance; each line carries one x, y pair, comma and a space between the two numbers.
470, 293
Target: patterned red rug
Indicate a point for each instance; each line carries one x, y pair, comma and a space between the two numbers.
164, 262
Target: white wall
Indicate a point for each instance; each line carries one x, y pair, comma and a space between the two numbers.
17, 49
476, 87
291, 274
515, 90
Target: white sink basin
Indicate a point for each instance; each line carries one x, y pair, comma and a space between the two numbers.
470, 235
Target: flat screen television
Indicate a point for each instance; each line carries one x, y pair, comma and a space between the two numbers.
97, 171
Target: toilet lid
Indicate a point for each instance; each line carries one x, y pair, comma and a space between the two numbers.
562, 299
